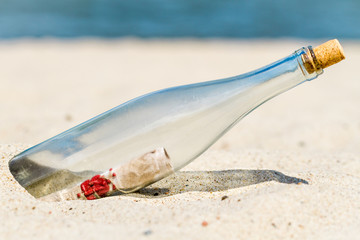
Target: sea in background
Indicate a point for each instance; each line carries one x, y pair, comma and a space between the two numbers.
180, 18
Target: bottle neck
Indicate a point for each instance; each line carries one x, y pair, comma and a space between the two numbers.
308, 63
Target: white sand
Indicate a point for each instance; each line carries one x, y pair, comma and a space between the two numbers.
309, 134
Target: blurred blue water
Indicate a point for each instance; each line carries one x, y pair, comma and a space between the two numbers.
180, 18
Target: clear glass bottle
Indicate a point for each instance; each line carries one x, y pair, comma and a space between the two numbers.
184, 120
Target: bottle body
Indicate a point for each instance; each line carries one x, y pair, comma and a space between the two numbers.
184, 120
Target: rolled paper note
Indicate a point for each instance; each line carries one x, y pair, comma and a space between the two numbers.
137, 173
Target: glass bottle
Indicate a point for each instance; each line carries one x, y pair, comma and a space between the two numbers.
185, 120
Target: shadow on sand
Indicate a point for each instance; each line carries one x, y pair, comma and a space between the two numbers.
212, 181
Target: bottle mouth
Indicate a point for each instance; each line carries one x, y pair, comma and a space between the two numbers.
308, 63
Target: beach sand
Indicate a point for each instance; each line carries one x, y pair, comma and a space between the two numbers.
289, 170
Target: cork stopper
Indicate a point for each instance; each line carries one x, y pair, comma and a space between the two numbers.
323, 56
